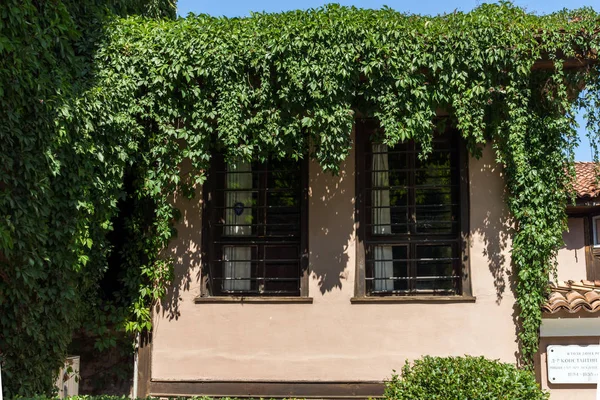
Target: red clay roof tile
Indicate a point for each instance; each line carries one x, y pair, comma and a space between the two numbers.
573, 297
586, 185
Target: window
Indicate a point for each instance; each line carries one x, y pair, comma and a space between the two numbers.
596, 230
411, 216
255, 238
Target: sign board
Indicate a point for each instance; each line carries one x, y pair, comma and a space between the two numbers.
573, 363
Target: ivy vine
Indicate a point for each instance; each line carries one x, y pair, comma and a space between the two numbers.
292, 84
159, 96
58, 194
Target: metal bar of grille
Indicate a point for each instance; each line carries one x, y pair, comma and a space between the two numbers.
261, 207
291, 239
257, 172
416, 169
443, 189
440, 186
258, 279
413, 291
259, 224
411, 240
417, 207
290, 191
261, 293
438, 150
278, 260
416, 259
237, 190
415, 278
410, 170
421, 222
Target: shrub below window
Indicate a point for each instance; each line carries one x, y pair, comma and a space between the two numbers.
451, 378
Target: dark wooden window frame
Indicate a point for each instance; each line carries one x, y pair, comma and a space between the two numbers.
364, 130
210, 206
595, 234
592, 253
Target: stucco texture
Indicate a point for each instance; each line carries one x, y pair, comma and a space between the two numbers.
571, 257
332, 339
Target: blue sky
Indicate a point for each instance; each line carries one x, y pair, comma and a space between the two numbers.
239, 8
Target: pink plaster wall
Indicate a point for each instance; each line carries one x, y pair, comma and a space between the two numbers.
332, 339
571, 257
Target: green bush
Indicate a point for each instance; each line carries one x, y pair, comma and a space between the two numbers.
113, 397
463, 378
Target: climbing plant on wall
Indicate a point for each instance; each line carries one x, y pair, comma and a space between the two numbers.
292, 84
159, 96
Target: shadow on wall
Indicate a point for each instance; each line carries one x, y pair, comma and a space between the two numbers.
574, 237
496, 227
186, 254
331, 224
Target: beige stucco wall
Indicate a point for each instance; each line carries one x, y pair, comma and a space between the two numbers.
332, 339
571, 257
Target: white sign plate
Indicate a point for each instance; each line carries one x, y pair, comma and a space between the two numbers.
573, 363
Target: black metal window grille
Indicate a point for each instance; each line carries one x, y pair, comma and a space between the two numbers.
412, 232
256, 235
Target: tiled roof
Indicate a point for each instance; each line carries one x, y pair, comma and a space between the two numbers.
573, 297
585, 182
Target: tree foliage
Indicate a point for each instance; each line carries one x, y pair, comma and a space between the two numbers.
148, 100
57, 194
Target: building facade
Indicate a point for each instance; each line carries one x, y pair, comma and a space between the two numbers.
349, 325
293, 282
571, 315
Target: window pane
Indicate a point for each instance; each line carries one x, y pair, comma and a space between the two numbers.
283, 198
398, 166
389, 189
597, 230
436, 268
389, 269
435, 213
239, 268
401, 269
282, 270
436, 192
399, 210
239, 208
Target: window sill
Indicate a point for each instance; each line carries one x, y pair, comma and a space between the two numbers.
413, 299
252, 299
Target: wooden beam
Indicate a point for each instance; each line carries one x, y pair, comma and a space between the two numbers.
144, 365
413, 299
268, 389
253, 299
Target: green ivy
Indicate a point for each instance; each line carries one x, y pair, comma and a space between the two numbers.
148, 100
293, 84
58, 190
